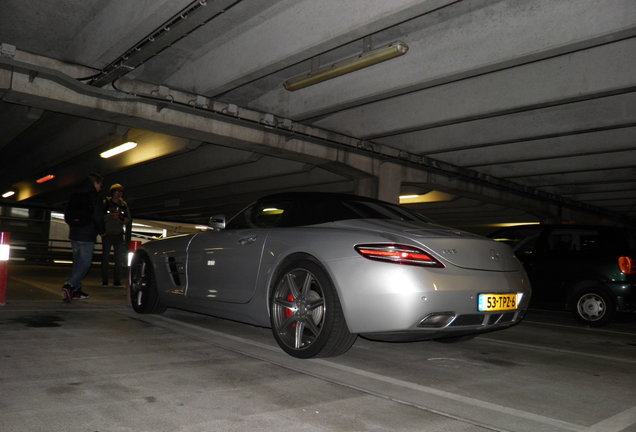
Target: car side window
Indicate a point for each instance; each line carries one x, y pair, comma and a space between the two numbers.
335, 209
523, 241
590, 241
562, 241
574, 241
515, 236
527, 247
271, 215
264, 214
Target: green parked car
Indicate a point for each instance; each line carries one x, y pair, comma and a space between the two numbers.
589, 270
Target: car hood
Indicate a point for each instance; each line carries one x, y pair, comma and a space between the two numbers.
449, 245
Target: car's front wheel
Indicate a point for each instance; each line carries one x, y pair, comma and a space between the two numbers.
593, 307
144, 297
305, 312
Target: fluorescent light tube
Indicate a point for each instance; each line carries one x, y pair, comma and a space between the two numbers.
119, 149
363, 60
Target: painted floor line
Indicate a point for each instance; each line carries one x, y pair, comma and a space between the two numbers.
400, 383
574, 327
557, 350
40, 286
616, 423
453, 396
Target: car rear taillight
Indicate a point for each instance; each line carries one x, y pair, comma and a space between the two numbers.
627, 265
399, 254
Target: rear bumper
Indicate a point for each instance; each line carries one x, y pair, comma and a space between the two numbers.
461, 325
625, 296
392, 299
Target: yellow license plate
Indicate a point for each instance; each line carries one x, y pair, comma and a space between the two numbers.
497, 302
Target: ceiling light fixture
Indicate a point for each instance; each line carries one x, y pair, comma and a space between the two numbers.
429, 197
44, 179
119, 149
8, 194
365, 59
512, 224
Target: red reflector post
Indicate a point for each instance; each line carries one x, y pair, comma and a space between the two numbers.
5, 248
627, 265
134, 245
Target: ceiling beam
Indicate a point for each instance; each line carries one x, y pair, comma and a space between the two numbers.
583, 75
463, 41
47, 89
165, 35
252, 49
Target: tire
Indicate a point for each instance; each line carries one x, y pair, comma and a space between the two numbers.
593, 307
144, 298
305, 312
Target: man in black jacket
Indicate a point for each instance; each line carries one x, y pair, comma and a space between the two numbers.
84, 217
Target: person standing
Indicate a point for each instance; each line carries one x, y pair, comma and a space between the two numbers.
118, 225
83, 214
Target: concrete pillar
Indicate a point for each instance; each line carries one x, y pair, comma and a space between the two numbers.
389, 182
367, 187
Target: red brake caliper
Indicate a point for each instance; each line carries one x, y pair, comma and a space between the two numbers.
289, 312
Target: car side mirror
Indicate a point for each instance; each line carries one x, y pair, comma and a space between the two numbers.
217, 222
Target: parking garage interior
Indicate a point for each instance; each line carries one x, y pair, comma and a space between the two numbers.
477, 114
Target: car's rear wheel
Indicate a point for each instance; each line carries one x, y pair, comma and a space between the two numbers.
143, 290
593, 307
305, 312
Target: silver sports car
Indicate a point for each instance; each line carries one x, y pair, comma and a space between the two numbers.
320, 269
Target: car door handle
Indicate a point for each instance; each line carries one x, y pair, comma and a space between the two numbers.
247, 240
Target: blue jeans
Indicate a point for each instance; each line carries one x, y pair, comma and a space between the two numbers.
82, 259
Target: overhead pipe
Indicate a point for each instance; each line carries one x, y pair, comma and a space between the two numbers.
174, 29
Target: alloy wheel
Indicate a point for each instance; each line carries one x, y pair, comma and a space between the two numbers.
298, 309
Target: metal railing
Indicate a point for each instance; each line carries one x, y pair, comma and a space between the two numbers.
51, 251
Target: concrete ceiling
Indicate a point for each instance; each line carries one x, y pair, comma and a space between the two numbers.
515, 110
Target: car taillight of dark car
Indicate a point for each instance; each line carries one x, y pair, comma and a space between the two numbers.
627, 265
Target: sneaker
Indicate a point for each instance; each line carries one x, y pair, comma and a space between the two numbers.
79, 295
105, 284
67, 293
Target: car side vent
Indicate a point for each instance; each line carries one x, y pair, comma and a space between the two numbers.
469, 319
176, 270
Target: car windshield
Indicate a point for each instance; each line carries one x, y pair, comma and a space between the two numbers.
318, 209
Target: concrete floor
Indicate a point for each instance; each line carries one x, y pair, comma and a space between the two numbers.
96, 366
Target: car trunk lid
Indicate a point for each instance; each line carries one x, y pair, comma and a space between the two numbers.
451, 246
